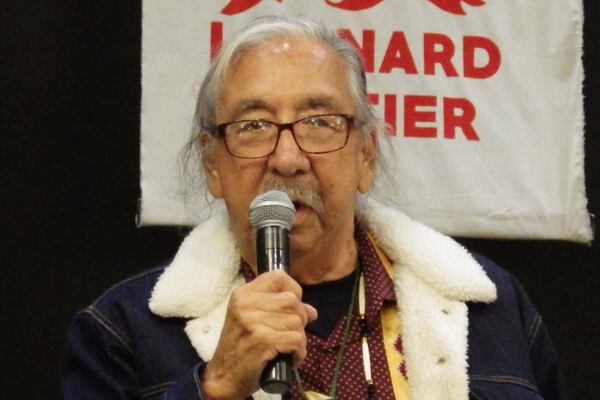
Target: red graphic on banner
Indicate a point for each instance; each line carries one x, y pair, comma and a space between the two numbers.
451, 6
353, 5
239, 6
455, 6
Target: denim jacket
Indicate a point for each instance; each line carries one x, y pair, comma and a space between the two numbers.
149, 336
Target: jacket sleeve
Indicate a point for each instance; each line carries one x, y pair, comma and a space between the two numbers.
542, 353
101, 364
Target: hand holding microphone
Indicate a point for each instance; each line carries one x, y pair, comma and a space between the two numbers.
265, 318
272, 215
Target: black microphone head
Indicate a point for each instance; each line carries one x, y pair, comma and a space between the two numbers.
272, 208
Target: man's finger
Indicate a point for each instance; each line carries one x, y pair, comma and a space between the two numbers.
311, 313
275, 281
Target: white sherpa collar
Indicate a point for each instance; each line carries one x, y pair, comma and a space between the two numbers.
206, 268
202, 274
435, 258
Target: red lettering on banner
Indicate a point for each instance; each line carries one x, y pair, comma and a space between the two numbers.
398, 55
414, 117
457, 113
216, 38
367, 49
438, 49
470, 45
464, 120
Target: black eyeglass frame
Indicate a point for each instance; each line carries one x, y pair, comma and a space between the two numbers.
219, 132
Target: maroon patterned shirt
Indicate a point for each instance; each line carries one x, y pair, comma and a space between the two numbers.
316, 372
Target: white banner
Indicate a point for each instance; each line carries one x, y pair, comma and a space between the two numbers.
485, 99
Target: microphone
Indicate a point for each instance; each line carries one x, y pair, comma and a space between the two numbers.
272, 215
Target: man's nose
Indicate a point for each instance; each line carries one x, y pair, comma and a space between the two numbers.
288, 159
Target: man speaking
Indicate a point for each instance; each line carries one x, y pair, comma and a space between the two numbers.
375, 306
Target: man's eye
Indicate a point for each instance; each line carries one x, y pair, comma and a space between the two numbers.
253, 126
317, 122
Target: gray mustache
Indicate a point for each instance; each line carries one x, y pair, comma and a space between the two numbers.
309, 195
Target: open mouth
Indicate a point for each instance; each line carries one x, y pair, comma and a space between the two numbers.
300, 207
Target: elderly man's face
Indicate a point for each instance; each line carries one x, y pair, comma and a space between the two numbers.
283, 80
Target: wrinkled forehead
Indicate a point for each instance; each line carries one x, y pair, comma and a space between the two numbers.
307, 68
292, 46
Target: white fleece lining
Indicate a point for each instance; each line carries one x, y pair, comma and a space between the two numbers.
433, 277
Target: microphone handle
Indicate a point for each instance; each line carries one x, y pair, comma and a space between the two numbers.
272, 253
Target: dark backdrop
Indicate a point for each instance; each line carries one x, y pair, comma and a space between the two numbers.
70, 101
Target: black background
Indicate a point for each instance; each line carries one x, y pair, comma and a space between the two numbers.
70, 102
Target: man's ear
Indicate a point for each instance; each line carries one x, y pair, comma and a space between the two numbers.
208, 149
368, 162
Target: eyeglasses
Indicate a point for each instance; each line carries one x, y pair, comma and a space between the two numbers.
316, 134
